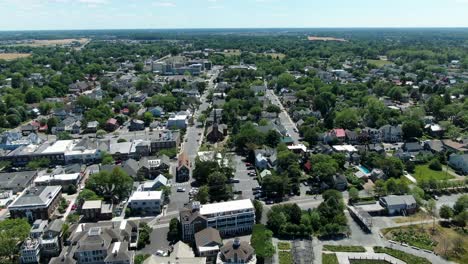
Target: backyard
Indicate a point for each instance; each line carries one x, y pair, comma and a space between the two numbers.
424, 172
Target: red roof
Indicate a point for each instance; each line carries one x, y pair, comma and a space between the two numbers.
112, 121
43, 128
339, 132
308, 165
125, 111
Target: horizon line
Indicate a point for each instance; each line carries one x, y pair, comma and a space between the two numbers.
237, 28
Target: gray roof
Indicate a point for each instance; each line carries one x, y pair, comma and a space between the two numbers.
16, 181
392, 200
40, 196
208, 236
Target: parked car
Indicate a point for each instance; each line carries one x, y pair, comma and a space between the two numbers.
248, 164
256, 188
180, 189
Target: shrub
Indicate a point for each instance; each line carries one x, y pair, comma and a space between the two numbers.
435, 165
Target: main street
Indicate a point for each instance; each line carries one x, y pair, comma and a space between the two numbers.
190, 145
284, 117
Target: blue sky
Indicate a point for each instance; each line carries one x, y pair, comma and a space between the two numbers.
128, 14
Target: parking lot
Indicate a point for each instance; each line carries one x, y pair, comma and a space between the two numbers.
246, 182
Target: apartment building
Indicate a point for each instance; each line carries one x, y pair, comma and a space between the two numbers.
229, 218
146, 202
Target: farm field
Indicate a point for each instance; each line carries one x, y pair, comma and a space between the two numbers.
13, 56
51, 42
380, 63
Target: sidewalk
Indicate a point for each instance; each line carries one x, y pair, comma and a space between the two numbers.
344, 257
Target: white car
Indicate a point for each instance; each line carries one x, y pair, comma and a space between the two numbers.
180, 189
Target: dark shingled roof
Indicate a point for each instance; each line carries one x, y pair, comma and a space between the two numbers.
208, 236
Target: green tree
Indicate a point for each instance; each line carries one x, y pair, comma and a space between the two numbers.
353, 194
38, 163
272, 138
64, 136
219, 190
435, 165
261, 242
138, 67
87, 195
16, 80
12, 232
115, 185
148, 118
412, 129
140, 258
203, 195
258, 210
106, 158
461, 204
174, 233
446, 212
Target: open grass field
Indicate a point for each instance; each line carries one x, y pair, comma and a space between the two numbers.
424, 172
329, 259
380, 63
285, 257
13, 56
450, 242
340, 248
51, 42
284, 245
408, 258
232, 52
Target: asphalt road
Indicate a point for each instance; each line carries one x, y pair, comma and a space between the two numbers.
284, 117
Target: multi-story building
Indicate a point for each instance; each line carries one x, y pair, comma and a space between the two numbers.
183, 168
229, 218
30, 251
64, 180
146, 202
101, 243
36, 203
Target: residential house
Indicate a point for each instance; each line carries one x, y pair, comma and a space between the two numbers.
265, 158
29, 129
391, 134
51, 240
157, 111
454, 146
459, 162
96, 210
151, 167
337, 134
183, 168
36, 203
339, 182
111, 124
351, 137
136, 125
435, 146
92, 127
13, 140
435, 130
207, 244
399, 204
30, 251
155, 184
371, 135
101, 243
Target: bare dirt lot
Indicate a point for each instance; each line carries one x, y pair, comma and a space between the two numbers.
13, 56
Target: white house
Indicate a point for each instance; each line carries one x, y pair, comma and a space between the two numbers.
146, 202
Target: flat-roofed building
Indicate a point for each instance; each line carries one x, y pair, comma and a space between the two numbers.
36, 203
229, 218
63, 180
96, 210
16, 181
146, 202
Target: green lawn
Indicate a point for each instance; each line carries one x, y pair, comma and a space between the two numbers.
329, 259
379, 63
423, 172
408, 258
285, 257
284, 245
339, 248
261, 241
